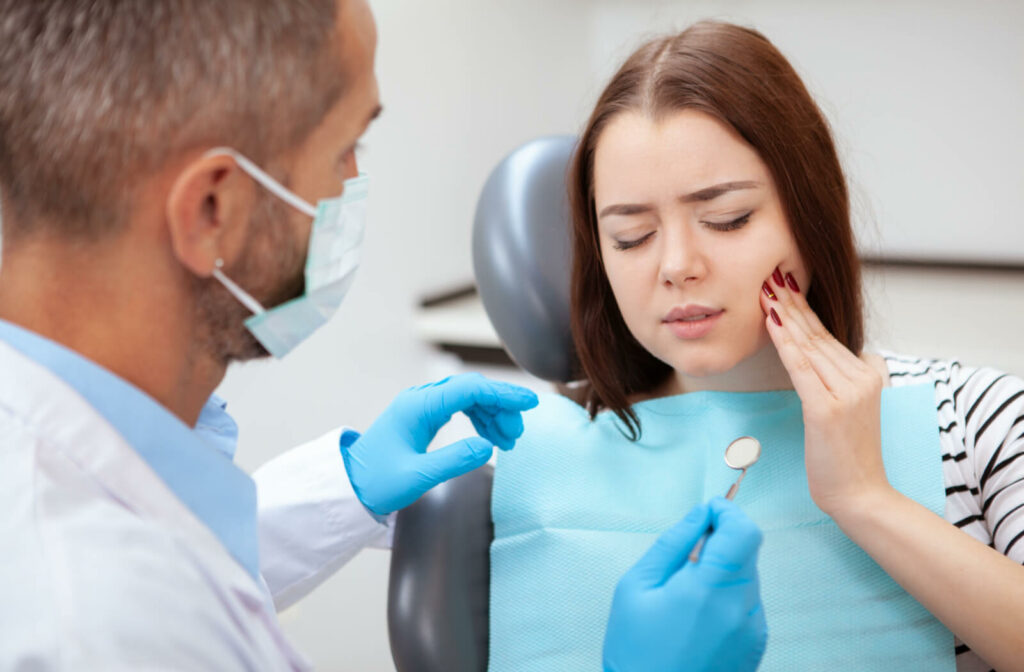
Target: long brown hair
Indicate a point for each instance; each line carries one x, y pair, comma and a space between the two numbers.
736, 75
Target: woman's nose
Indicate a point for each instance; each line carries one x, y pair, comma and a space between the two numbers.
682, 260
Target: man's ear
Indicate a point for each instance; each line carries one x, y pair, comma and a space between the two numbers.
208, 210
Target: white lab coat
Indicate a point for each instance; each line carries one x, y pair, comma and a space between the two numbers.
103, 568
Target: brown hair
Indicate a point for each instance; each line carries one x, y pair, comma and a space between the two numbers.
94, 95
736, 75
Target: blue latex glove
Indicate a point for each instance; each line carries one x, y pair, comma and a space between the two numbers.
670, 615
388, 465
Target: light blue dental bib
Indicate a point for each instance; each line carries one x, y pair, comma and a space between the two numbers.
575, 504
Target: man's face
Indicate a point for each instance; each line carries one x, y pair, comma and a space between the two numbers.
272, 262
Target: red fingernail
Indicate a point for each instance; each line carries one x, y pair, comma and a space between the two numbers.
791, 281
775, 317
768, 292
777, 277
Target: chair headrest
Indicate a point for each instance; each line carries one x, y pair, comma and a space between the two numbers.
522, 258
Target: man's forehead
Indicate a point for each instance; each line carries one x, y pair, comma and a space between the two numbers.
357, 34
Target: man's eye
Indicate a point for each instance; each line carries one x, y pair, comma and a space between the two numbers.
630, 244
730, 225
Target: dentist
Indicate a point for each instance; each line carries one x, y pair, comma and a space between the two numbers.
180, 192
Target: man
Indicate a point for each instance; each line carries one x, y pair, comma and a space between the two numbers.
169, 173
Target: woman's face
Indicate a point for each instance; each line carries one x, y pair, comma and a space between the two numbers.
690, 226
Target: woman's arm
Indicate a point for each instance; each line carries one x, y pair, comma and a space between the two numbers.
977, 592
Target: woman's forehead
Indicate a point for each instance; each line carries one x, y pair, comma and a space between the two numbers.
685, 152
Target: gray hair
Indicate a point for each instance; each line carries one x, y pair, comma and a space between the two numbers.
95, 94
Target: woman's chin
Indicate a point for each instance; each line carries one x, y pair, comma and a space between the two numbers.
703, 367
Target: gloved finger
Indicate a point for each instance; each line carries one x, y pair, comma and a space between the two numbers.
486, 426
453, 460
463, 392
670, 550
510, 424
503, 427
734, 541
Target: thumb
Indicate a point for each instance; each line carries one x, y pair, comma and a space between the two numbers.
455, 459
670, 550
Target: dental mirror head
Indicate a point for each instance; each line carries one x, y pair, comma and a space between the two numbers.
743, 452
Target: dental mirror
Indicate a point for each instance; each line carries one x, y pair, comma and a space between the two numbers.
740, 454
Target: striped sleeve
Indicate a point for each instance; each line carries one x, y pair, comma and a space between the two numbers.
980, 416
993, 410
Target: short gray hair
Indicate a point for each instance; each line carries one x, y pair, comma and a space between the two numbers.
95, 94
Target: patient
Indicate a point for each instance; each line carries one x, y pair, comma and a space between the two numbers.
715, 284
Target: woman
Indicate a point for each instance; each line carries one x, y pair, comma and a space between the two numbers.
713, 254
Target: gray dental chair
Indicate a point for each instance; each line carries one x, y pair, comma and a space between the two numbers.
438, 595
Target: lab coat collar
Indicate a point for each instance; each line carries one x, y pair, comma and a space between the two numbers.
195, 464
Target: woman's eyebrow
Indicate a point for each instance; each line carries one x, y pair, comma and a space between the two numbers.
626, 209
714, 191
705, 194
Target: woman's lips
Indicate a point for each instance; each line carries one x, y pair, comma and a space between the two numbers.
693, 326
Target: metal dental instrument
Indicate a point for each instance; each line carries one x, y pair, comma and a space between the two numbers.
740, 454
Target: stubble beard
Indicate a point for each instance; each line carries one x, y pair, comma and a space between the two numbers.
270, 268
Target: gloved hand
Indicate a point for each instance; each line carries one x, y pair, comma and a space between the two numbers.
388, 465
670, 615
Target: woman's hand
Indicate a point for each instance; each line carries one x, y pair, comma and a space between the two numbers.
841, 396
975, 591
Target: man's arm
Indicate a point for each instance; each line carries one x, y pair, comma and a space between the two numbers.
311, 522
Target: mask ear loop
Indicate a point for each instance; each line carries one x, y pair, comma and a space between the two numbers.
266, 180
243, 297
272, 185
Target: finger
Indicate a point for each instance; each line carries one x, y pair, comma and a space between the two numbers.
788, 298
834, 378
453, 460
734, 542
489, 427
483, 422
670, 550
794, 300
806, 381
510, 424
460, 393
504, 425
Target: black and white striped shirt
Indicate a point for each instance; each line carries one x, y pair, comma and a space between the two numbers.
981, 431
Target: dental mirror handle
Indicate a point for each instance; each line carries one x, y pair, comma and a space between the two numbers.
695, 553
735, 486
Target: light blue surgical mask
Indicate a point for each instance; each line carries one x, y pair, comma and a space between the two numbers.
331, 262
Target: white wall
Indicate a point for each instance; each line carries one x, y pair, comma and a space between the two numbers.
925, 98
465, 81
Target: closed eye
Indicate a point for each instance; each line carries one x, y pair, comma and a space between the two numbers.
630, 244
730, 225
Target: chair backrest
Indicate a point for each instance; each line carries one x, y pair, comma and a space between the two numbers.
439, 587
522, 256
